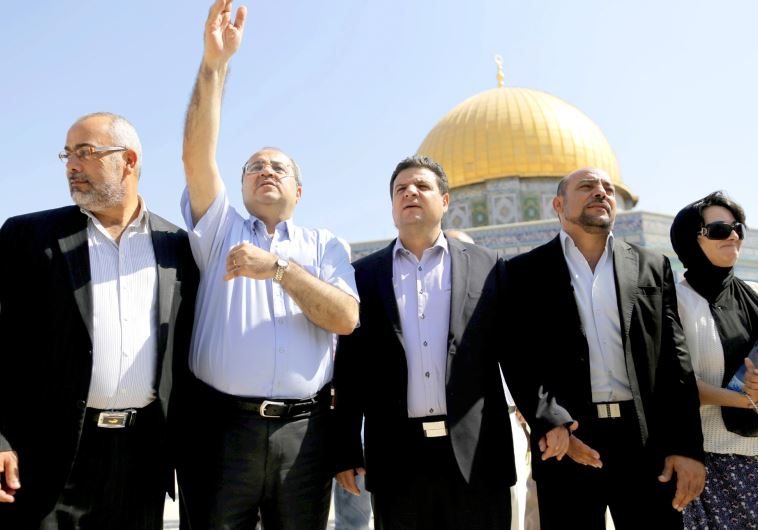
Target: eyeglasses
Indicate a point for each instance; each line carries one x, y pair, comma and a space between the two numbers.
86, 152
721, 230
280, 170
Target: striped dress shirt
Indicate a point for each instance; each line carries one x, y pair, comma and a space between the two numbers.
124, 296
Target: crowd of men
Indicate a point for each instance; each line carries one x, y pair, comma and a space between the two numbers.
132, 348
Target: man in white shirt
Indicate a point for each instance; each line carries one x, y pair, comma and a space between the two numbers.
97, 304
603, 374
422, 370
272, 295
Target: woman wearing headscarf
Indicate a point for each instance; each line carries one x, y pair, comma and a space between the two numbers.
719, 314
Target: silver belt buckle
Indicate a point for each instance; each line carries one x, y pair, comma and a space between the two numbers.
608, 410
116, 419
434, 429
266, 403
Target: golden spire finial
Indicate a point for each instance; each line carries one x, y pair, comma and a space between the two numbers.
500, 76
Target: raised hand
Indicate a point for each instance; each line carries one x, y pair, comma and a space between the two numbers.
222, 37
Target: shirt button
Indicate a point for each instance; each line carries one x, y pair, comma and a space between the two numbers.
427, 374
420, 268
421, 291
426, 343
423, 316
431, 411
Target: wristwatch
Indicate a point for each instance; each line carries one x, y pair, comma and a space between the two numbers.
281, 266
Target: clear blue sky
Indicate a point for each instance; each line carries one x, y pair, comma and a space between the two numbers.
349, 87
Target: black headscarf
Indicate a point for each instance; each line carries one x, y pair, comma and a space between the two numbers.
733, 303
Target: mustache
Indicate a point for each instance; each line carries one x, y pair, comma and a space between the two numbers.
599, 200
271, 181
78, 176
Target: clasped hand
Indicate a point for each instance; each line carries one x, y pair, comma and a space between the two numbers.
248, 260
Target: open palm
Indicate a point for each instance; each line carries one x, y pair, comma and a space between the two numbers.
222, 37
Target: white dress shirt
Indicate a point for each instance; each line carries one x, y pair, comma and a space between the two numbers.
422, 290
250, 338
597, 302
125, 319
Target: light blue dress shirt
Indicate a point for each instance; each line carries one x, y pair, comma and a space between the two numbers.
250, 338
422, 291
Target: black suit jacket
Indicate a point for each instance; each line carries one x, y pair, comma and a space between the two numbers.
45, 340
371, 376
550, 360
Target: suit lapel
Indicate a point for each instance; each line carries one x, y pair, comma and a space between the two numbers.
387, 291
626, 267
459, 263
459, 275
75, 251
165, 261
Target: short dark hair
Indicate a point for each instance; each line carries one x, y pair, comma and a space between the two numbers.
425, 162
720, 198
562, 186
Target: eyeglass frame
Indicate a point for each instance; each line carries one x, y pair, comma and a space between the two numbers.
278, 176
739, 228
64, 155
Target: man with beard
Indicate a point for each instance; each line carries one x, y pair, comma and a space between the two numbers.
96, 305
603, 374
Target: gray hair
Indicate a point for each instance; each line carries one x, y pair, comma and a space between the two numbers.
123, 133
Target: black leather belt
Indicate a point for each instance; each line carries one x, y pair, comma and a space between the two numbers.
271, 408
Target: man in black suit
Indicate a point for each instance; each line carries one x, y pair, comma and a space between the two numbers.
438, 446
96, 307
603, 375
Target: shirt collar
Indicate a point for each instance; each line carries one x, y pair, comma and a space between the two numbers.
285, 228
440, 242
143, 216
567, 243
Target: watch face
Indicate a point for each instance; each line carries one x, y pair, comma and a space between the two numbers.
281, 262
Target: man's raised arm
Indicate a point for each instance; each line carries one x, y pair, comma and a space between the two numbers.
222, 39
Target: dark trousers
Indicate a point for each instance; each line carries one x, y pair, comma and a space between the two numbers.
242, 464
432, 495
118, 481
576, 496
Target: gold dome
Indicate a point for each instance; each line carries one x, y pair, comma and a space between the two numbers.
518, 132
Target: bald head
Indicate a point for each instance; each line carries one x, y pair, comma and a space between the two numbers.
295, 168
460, 235
589, 172
586, 201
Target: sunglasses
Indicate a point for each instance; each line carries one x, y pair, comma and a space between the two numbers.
721, 230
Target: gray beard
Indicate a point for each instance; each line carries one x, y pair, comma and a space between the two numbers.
102, 197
